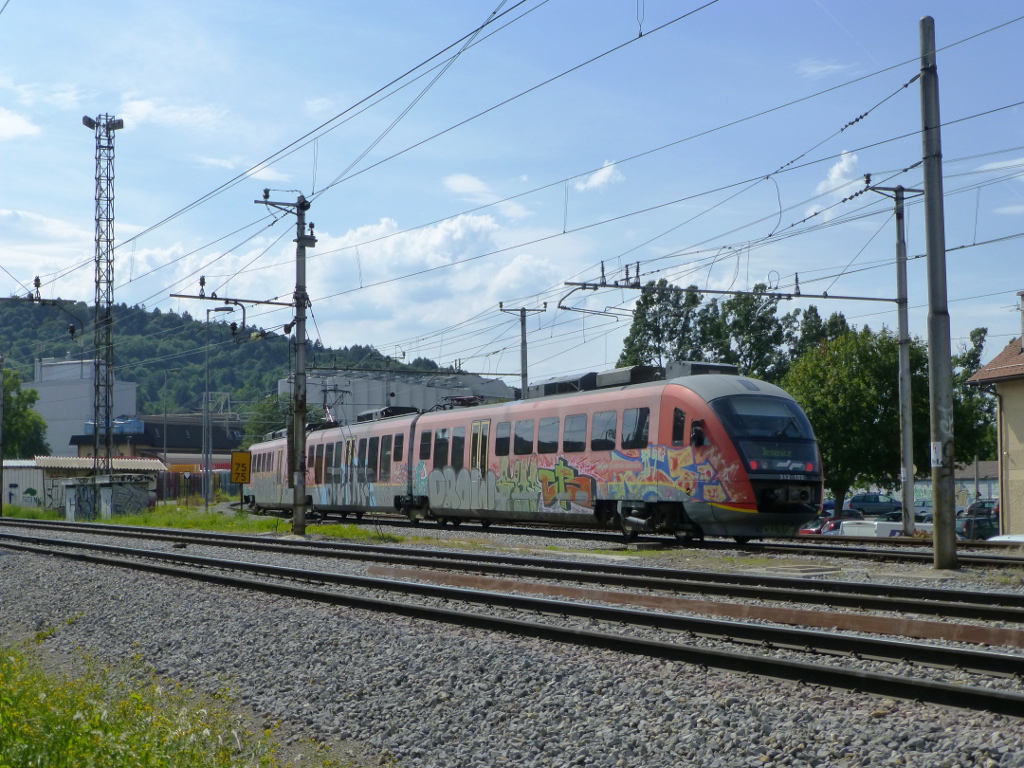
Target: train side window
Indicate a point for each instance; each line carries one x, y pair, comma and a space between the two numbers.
371, 460
279, 464
361, 461
678, 427
440, 447
458, 448
547, 435
502, 436
574, 438
635, 427
310, 458
523, 445
329, 463
603, 431
338, 454
399, 447
425, 440
385, 458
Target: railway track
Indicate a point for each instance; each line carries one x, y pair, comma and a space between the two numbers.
899, 668
938, 602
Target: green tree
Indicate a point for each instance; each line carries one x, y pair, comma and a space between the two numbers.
266, 415
849, 389
745, 330
974, 431
665, 327
813, 330
756, 337
24, 430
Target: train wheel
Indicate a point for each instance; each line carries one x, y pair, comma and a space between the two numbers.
344, 515
456, 521
485, 523
416, 521
742, 539
627, 532
442, 522
359, 515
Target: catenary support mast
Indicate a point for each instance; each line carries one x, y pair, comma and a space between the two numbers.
940, 367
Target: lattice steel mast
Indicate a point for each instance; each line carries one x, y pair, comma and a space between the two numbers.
103, 358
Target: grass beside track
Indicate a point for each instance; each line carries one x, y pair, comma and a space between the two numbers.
197, 519
126, 718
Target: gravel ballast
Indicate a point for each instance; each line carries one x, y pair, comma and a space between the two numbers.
413, 693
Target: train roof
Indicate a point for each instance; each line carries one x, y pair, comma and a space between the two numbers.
711, 386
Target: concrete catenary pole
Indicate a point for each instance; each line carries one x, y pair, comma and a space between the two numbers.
906, 416
940, 367
523, 372
302, 241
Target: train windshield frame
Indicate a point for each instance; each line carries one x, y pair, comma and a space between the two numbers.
771, 433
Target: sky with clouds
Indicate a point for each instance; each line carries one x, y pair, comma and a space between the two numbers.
463, 155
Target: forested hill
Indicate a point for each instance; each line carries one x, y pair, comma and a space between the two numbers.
165, 353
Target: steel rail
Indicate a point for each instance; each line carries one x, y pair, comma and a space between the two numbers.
965, 697
988, 606
765, 635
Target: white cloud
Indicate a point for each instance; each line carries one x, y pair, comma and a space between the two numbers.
477, 192
14, 126
1011, 210
602, 178
1005, 165
266, 173
320, 108
839, 175
32, 226
815, 69
136, 112
837, 184
218, 162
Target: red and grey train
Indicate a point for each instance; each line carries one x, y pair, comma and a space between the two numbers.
707, 454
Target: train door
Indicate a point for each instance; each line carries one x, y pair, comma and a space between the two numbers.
478, 459
350, 460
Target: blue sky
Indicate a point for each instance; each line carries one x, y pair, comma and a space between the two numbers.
715, 148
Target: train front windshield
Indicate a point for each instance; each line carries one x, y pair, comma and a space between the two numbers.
772, 434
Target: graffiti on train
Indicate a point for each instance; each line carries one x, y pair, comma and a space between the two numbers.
658, 472
519, 486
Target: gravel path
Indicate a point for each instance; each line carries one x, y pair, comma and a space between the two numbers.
396, 691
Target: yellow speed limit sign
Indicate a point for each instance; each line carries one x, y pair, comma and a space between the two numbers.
241, 466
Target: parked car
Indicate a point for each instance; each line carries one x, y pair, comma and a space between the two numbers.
828, 505
829, 524
977, 528
986, 507
872, 503
927, 507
